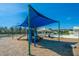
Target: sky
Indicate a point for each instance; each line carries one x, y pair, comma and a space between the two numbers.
13, 14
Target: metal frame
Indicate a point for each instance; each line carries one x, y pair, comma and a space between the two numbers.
30, 35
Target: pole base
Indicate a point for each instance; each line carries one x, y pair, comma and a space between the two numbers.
30, 55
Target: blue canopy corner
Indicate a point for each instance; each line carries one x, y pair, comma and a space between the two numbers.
37, 19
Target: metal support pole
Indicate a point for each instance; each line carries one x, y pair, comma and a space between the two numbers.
59, 31
78, 36
12, 33
35, 37
29, 33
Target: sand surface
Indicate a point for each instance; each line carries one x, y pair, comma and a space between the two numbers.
46, 47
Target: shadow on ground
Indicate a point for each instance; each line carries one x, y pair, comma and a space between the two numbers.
62, 48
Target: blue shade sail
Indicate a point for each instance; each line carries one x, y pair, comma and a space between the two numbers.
36, 19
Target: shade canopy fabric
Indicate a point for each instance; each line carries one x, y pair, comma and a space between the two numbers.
36, 19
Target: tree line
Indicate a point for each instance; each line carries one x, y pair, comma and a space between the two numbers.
12, 30
21, 30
